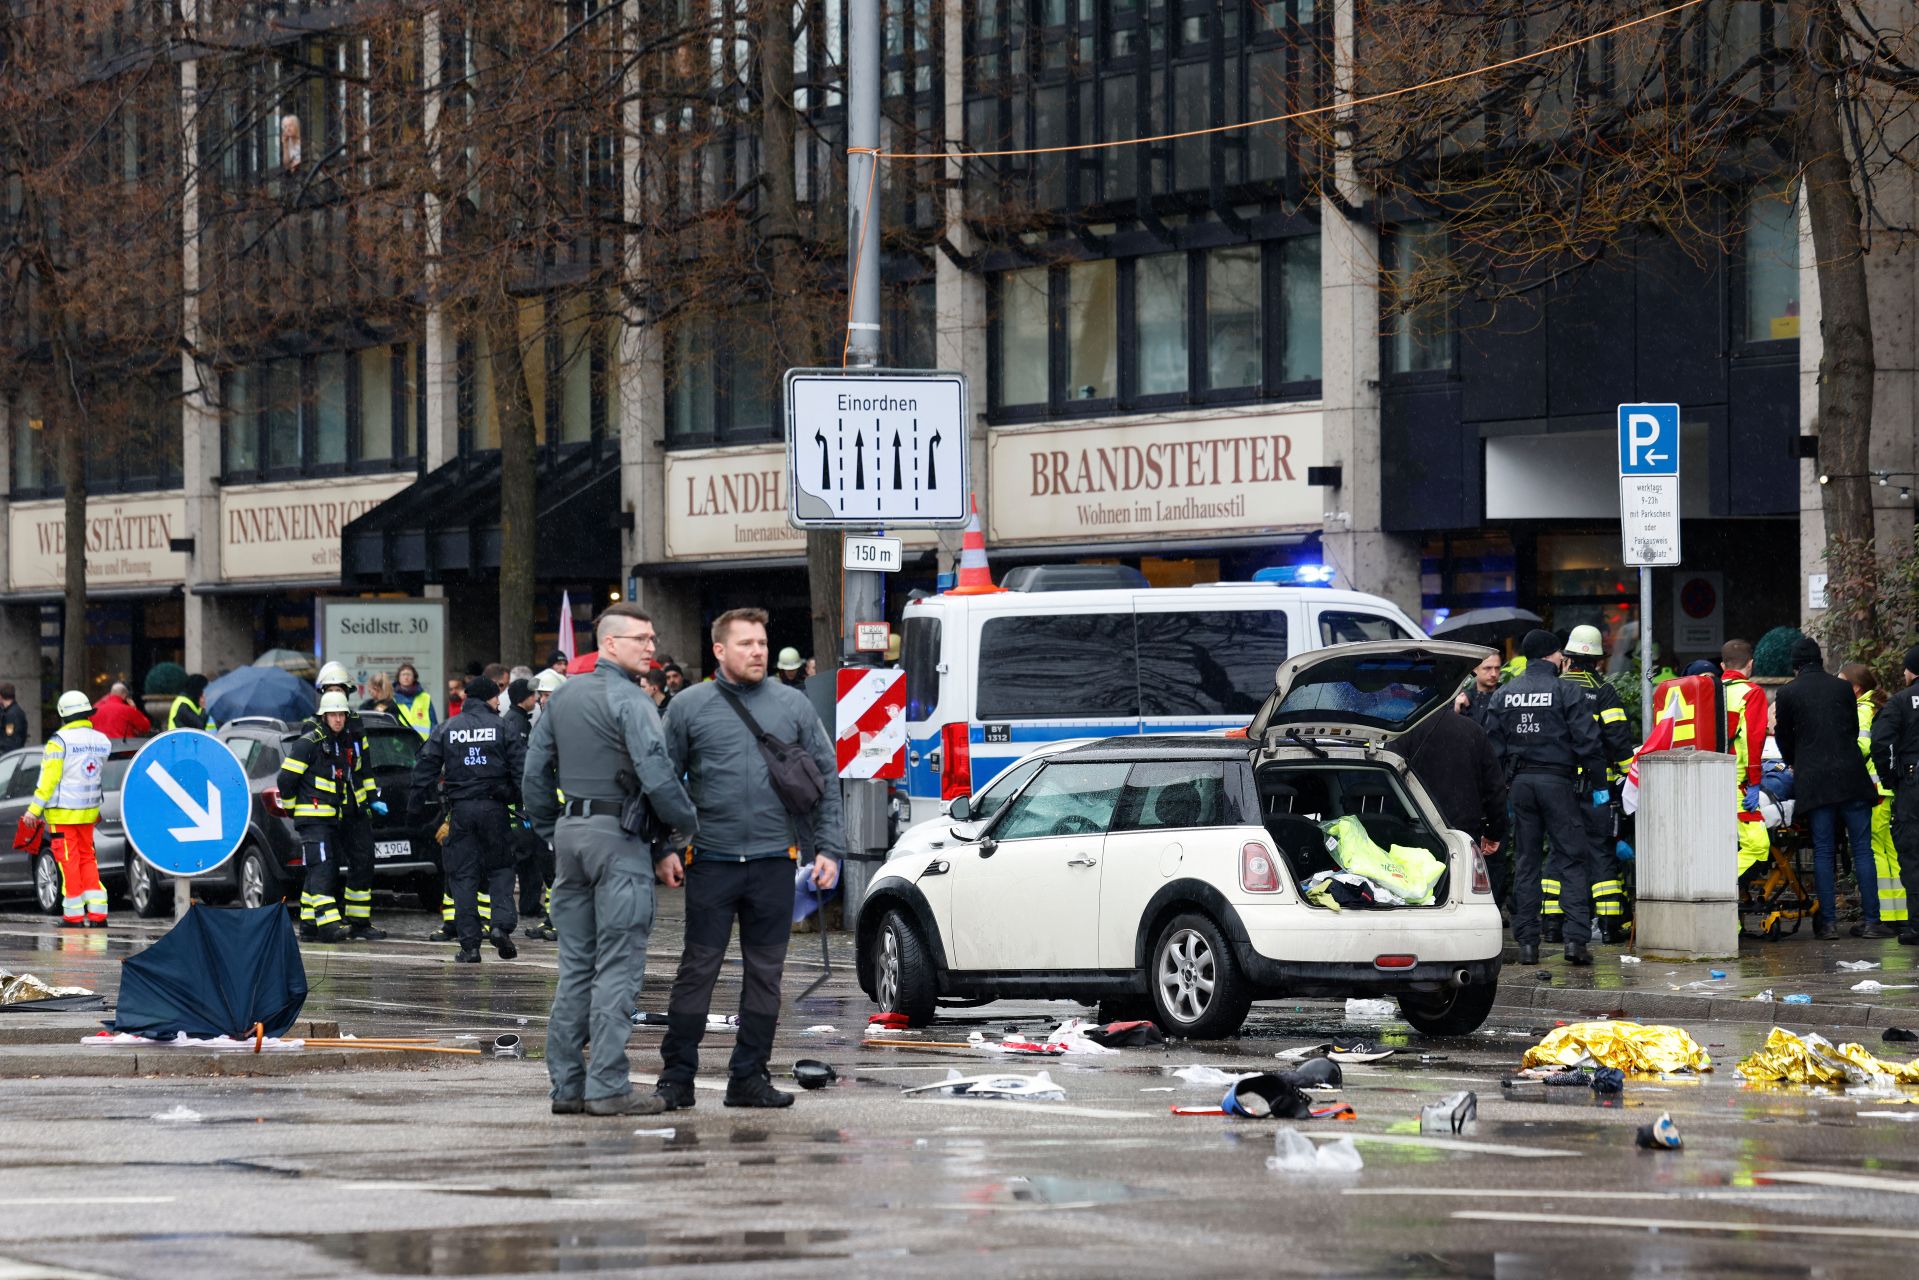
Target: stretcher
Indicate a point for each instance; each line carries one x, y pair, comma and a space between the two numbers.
1773, 898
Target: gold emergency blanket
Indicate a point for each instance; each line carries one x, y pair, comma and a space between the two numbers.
1811, 1059
27, 987
1625, 1045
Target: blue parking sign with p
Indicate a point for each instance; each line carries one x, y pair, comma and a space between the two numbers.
1648, 439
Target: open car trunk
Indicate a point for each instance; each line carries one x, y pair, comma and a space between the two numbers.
1353, 817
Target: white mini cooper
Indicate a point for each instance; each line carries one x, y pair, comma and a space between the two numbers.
1166, 876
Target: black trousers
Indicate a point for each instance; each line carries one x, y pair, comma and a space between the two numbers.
477, 852
760, 895
533, 864
1545, 806
356, 863
1905, 841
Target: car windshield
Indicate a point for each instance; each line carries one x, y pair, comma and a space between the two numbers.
392, 748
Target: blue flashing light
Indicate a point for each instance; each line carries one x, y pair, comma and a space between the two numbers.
1297, 575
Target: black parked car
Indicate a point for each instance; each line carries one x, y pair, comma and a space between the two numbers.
267, 866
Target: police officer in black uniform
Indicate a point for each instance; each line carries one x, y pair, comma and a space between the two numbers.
1544, 730
1895, 754
481, 761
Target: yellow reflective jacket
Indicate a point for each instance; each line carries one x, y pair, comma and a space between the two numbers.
69, 790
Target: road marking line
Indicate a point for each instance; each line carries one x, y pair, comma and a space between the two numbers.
1047, 1108
24, 1201
1861, 1232
1821, 1178
1539, 1193
1446, 1144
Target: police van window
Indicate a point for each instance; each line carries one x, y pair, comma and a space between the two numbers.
1208, 664
1067, 799
920, 655
1337, 627
1173, 794
1058, 667
25, 777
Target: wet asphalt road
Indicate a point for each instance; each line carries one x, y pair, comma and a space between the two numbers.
459, 1170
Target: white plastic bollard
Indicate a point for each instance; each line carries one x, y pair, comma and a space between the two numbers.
1686, 878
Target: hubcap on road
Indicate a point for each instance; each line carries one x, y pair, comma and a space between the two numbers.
1186, 975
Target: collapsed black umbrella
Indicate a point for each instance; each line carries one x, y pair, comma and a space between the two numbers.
217, 972
1487, 626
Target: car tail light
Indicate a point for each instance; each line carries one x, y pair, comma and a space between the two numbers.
1257, 871
956, 762
271, 798
1394, 962
1482, 878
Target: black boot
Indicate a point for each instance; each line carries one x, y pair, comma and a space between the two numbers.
677, 1096
680, 1046
1529, 953
503, 943
755, 1090
1576, 953
330, 933
444, 933
467, 956
1552, 930
363, 931
309, 934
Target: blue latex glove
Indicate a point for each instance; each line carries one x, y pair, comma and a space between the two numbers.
1601, 797
1752, 798
379, 807
1622, 851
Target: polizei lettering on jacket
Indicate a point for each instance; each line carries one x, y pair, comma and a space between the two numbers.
1529, 699
472, 735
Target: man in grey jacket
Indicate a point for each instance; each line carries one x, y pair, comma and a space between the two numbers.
742, 863
599, 737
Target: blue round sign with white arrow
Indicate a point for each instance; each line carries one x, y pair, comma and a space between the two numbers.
185, 803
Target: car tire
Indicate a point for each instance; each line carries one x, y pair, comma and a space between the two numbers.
1458, 1012
1197, 990
147, 894
47, 885
255, 883
903, 978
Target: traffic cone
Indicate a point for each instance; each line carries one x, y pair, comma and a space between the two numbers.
975, 575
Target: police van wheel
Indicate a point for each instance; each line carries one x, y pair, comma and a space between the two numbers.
46, 884
1458, 1012
144, 892
903, 980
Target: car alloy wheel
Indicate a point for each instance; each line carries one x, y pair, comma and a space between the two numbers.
139, 885
886, 975
253, 881
46, 884
1186, 975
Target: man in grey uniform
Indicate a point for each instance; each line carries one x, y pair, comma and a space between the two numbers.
601, 726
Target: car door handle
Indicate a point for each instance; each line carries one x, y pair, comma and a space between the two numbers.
1082, 862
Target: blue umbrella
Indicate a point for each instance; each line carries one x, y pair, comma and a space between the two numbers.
260, 691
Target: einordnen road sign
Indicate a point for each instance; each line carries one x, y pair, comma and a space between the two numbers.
880, 447
185, 803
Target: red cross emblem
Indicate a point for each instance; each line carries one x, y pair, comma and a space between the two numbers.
90, 768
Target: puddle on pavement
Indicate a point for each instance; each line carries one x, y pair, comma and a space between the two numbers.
585, 1247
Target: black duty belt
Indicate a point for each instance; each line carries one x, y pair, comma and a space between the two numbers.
1556, 771
591, 809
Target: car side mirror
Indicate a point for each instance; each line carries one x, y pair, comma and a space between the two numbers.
960, 809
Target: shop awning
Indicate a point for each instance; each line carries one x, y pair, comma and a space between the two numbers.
446, 525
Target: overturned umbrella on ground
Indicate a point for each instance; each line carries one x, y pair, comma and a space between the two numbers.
217, 972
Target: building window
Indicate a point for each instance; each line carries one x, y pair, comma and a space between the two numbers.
378, 397
1126, 334
31, 469
1419, 328
241, 424
322, 414
689, 381
329, 410
1770, 260
280, 405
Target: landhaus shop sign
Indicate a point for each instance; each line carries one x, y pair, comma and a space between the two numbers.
1235, 474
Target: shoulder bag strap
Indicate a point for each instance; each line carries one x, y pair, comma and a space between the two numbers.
739, 709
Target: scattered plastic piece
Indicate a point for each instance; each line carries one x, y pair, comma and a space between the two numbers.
1899, 1035
1798, 997
1296, 1153
1660, 1135
811, 1073
1265, 1096
1858, 964
891, 1021
1034, 1088
1355, 1053
1765, 996
1210, 1075
823, 1029
1316, 1073
1163, 1088
1629, 960
1370, 1010
1179, 1110
654, 1133
179, 1115
1873, 984
25, 988
1786, 1058
1716, 973
1626, 1045
1338, 1111
1455, 1113
1908, 1117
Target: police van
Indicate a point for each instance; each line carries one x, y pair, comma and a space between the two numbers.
1090, 651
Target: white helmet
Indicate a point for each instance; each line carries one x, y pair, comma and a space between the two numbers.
73, 703
334, 673
1584, 642
548, 681
333, 700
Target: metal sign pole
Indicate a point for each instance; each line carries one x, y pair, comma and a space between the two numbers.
1645, 653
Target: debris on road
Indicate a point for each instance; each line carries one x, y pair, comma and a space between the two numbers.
1265, 1096
25, 988
1210, 1075
1625, 1045
1293, 1152
1798, 998
1660, 1135
811, 1073
1899, 1035
1126, 1035
1787, 1058
177, 1114
1455, 1113
1034, 1088
1356, 1053
1873, 984
1629, 960
654, 1133
1370, 1010
1858, 964
1764, 996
